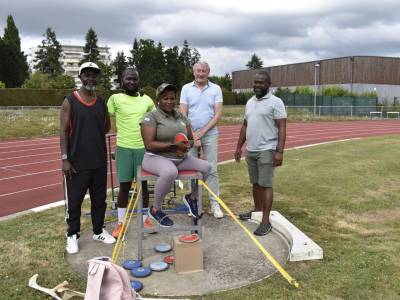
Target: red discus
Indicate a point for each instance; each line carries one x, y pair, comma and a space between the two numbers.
181, 137
169, 259
189, 238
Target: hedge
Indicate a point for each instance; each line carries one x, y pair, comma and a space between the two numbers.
54, 97
39, 97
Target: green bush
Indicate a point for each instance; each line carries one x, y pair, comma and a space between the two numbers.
62, 82
150, 91
336, 91
40, 97
304, 90
369, 94
230, 98
242, 97
40, 80
282, 92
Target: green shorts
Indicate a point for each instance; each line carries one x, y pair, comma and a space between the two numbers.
127, 162
260, 167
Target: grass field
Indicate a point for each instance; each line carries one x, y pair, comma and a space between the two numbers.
345, 196
45, 122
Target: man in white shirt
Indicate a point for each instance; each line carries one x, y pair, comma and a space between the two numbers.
201, 101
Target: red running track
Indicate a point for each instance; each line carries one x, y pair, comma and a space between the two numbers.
30, 168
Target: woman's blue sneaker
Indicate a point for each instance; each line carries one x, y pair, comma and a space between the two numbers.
191, 205
161, 218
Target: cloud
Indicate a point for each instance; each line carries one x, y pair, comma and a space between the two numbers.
225, 32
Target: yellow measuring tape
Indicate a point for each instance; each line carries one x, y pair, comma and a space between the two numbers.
125, 224
285, 274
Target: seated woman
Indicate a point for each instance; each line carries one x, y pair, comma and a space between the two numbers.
164, 157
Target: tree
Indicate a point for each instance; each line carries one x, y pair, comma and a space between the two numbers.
105, 76
6, 65
62, 82
91, 49
92, 54
188, 57
156, 65
255, 62
48, 56
134, 59
39, 80
174, 66
148, 58
223, 81
120, 64
13, 65
195, 58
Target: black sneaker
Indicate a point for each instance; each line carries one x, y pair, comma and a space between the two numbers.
246, 216
263, 229
161, 218
191, 205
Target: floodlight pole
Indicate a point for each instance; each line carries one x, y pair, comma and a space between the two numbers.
316, 66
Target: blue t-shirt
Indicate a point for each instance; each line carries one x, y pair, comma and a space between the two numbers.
201, 104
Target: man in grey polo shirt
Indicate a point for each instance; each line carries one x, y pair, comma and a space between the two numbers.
264, 129
201, 101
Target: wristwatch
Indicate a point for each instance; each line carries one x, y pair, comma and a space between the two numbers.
64, 156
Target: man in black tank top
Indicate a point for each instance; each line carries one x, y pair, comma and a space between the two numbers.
84, 123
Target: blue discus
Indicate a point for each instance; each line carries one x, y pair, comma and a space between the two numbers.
130, 264
158, 266
141, 272
136, 285
163, 247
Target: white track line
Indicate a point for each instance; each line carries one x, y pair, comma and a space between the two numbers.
32, 189
31, 140
30, 174
33, 163
58, 170
11, 170
324, 143
26, 150
33, 155
47, 206
28, 145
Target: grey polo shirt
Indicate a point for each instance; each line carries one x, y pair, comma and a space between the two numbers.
167, 127
261, 132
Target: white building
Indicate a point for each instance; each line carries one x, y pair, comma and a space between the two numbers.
70, 58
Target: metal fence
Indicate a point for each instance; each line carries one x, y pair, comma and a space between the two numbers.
13, 113
350, 111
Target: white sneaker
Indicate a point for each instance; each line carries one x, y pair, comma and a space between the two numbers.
72, 244
216, 210
104, 237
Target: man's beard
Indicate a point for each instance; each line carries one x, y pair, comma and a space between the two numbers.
90, 87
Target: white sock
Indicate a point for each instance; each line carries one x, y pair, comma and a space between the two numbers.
121, 214
144, 217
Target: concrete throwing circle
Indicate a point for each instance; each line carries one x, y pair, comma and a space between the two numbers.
231, 259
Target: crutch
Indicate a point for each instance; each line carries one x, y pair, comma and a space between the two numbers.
65, 197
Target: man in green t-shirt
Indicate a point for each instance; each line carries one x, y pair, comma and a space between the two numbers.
129, 108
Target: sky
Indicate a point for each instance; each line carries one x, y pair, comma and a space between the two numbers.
226, 33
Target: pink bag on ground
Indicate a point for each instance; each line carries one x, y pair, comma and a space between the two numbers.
107, 281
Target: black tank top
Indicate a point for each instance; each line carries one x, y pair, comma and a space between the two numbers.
87, 142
